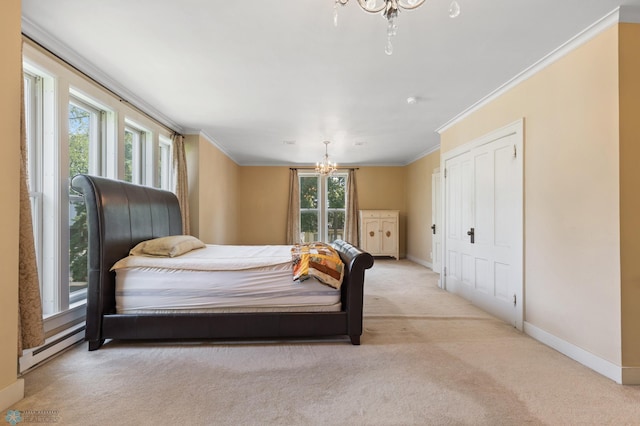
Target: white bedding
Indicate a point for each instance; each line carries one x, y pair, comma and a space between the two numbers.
214, 258
219, 279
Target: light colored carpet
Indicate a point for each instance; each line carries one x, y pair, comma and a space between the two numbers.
427, 358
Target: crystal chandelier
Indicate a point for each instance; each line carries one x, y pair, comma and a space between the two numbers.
326, 167
389, 9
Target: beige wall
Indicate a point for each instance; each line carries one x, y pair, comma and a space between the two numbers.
419, 202
385, 188
629, 185
261, 213
263, 205
10, 52
192, 154
213, 192
264, 195
572, 235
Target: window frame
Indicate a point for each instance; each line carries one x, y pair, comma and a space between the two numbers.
97, 137
97, 128
137, 153
165, 163
33, 117
322, 202
59, 84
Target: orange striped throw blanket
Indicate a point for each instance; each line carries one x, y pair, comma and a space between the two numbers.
317, 260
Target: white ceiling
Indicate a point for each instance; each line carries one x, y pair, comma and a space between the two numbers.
254, 74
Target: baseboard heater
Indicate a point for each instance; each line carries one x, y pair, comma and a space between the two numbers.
52, 346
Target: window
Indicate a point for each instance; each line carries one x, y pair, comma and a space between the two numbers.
135, 144
84, 149
33, 108
164, 163
322, 207
75, 126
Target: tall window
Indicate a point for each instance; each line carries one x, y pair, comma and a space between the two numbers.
74, 126
54, 158
135, 152
33, 109
322, 207
85, 148
164, 163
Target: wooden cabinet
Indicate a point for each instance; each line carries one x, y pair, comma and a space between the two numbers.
379, 233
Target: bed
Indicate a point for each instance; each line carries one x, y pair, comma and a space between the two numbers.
120, 215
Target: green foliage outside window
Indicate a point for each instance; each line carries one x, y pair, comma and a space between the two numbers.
79, 120
336, 189
128, 156
309, 200
78, 241
309, 194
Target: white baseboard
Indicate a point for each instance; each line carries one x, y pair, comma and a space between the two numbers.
621, 375
420, 262
11, 394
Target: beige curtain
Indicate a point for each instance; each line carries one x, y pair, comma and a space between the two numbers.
30, 325
293, 214
180, 180
351, 233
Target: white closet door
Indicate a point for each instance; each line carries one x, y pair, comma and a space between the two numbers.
458, 220
483, 215
436, 224
496, 241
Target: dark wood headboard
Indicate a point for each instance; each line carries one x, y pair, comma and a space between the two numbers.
120, 215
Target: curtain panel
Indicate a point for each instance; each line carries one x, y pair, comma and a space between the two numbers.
293, 212
30, 323
351, 233
180, 180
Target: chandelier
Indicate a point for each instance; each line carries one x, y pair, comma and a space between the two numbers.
326, 167
389, 9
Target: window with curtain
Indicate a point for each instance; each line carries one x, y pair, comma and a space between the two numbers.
33, 104
322, 207
75, 126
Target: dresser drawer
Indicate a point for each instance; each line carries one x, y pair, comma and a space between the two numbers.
387, 213
378, 213
365, 214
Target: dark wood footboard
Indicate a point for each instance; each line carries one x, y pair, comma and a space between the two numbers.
121, 214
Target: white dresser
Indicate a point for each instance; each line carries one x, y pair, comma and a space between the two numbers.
379, 232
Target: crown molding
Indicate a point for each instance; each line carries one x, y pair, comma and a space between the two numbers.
424, 154
71, 57
341, 167
213, 142
619, 14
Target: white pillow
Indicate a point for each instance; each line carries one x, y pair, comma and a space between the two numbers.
172, 246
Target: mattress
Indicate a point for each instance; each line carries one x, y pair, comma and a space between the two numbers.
219, 279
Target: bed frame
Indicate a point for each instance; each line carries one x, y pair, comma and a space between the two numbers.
120, 215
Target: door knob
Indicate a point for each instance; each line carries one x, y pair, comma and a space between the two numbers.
472, 233
433, 228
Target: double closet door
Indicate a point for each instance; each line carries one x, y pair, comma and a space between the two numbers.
483, 214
